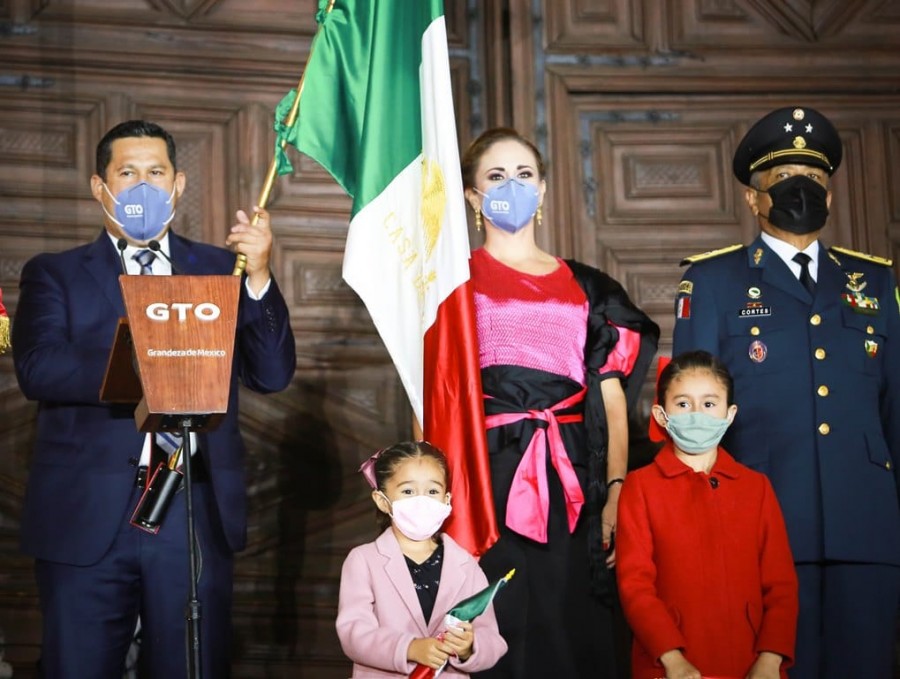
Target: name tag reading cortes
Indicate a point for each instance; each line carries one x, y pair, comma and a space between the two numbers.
755, 308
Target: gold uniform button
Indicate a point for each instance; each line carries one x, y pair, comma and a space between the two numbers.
820, 354
887, 465
815, 319
822, 391
754, 331
824, 429
870, 330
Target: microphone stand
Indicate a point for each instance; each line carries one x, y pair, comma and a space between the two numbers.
192, 609
157, 248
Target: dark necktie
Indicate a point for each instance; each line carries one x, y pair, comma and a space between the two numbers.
166, 443
806, 279
145, 259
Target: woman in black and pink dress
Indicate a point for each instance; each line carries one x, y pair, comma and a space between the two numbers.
563, 352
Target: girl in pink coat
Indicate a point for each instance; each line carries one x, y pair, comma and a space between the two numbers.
396, 590
705, 572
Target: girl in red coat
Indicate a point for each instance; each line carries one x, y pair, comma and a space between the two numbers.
705, 572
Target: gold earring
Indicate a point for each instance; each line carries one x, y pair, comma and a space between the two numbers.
478, 224
539, 215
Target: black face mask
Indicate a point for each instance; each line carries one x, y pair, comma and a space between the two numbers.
798, 205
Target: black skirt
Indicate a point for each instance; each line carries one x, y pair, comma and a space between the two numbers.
549, 615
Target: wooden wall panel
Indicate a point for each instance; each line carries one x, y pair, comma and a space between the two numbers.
584, 24
892, 186
801, 26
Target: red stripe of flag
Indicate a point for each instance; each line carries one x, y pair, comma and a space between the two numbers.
454, 419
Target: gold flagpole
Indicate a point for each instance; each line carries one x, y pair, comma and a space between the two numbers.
266, 192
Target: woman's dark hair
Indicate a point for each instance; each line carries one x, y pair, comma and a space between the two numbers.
131, 128
472, 155
694, 360
392, 457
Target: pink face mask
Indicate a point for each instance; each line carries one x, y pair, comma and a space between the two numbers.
418, 517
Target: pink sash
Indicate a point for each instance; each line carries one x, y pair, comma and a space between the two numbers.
529, 496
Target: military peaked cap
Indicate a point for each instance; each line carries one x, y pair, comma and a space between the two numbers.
791, 135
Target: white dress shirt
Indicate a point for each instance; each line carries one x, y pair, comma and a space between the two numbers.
787, 251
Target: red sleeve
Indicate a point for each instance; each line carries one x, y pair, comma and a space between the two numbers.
778, 631
646, 613
620, 361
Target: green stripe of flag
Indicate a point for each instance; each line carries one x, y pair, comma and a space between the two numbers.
361, 92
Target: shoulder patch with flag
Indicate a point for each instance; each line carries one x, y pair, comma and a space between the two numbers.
683, 301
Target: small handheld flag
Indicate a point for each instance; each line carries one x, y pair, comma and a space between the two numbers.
465, 611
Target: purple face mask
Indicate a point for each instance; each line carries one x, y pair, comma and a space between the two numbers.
143, 210
511, 204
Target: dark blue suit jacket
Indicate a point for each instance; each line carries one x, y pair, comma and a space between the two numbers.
817, 384
81, 481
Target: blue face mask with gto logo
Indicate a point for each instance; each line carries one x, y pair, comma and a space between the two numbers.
143, 210
511, 204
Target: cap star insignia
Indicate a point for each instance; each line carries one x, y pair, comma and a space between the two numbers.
788, 127
809, 128
757, 255
854, 284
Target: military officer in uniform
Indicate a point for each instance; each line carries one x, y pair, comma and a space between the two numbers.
811, 335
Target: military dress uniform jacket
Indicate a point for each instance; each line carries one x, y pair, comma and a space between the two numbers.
817, 384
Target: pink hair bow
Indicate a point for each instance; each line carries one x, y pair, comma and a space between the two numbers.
367, 468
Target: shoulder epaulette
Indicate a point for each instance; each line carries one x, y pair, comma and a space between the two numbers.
862, 255
693, 259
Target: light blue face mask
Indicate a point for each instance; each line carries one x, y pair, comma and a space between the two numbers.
696, 433
510, 205
143, 210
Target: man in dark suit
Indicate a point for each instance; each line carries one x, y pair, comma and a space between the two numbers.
97, 573
811, 335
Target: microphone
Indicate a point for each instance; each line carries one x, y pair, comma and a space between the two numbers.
155, 247
122, 244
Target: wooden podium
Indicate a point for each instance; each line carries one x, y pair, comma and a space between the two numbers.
172, 354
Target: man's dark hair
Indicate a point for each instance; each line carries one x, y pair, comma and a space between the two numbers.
131, 128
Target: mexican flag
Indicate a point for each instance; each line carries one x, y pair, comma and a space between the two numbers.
465, 611
376, 111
